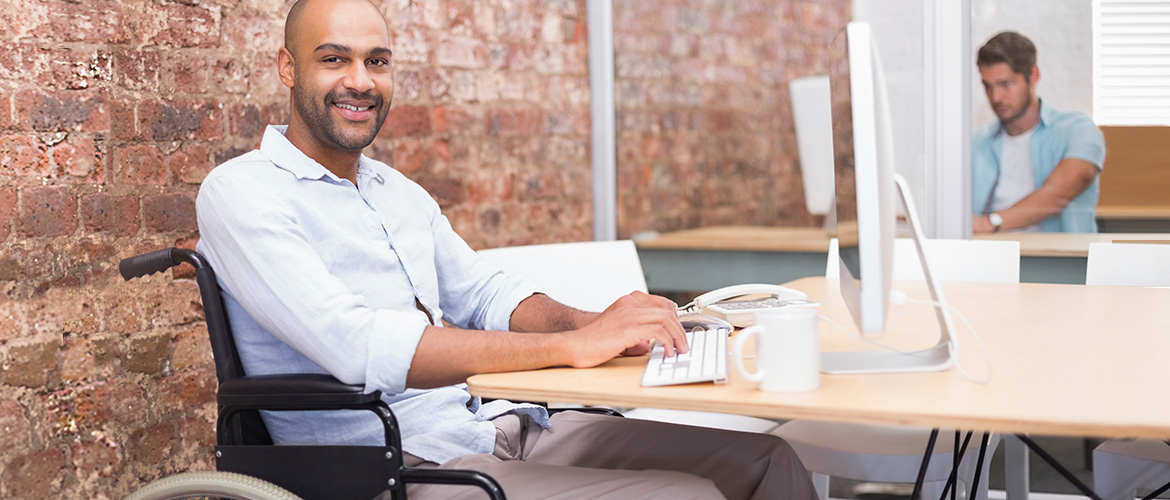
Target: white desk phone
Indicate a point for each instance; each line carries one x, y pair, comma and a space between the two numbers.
741, 313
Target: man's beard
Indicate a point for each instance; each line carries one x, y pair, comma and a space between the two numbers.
323, 124
1023, 109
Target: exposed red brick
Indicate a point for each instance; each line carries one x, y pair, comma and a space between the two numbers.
108, 213
35, 476
191, 163
410, 46
23, 155
197, 431
63, 111
186, 73
7, 211
460, 52
72, 69
162, 121
411, 156
78, 363
185, 391
33, 364
446, 191
141, 164
47, 211
245, 119
191, 348
122, 402
230, 75
450, 120
166, 213
80, 158
490, 188
51, 311
182, 26
98, 21
15, 425
136, 69
97, 458
407, 121
119, 309
147, 353
263, 34
122, 123
5, 110
11, 319
151, 445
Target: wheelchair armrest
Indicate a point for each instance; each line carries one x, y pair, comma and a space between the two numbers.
304, 391
301, 391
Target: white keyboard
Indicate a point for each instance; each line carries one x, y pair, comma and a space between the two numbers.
705, 362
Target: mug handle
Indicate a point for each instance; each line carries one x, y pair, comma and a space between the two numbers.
737, 353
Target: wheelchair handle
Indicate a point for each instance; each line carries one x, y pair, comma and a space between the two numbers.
158, 261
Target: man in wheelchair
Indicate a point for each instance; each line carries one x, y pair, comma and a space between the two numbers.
332, 262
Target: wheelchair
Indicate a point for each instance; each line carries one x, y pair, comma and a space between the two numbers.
249, 466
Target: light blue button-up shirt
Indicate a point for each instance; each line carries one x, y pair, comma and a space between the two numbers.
320, 276
1059, 135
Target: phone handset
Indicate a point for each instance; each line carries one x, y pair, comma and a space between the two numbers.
732, 291
742, 313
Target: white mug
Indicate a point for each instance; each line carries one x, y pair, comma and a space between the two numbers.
788, 357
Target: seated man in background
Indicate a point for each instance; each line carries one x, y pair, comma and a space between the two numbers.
332, 262
1036, 168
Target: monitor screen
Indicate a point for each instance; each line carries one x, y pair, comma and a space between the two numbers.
865, 193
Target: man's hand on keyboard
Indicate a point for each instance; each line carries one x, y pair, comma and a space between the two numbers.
628, 327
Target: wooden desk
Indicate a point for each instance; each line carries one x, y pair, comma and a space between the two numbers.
697, 260
1068, 360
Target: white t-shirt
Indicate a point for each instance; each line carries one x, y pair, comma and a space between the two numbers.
1016, 180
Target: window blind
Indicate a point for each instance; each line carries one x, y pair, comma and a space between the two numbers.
1131, 52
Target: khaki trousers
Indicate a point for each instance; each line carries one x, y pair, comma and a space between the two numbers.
589, 456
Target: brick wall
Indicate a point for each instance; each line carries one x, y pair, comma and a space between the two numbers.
705, 133
111, 113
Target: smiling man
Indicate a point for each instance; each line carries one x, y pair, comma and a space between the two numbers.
1036, 168
332, 262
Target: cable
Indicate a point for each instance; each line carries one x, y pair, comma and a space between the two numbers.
974, 334
897, 297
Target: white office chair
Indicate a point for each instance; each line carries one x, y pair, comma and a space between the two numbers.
1122, 466
590, 276
893, 454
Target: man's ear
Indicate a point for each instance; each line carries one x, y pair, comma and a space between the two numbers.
1034, 75
286, 67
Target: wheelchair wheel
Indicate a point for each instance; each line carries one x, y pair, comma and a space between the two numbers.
211, 485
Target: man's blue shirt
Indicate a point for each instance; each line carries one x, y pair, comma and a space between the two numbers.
1059, 135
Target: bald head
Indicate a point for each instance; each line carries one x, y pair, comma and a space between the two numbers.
307, 11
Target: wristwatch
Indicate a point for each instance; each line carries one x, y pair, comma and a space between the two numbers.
995, 220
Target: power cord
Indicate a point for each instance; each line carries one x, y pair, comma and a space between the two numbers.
897, 297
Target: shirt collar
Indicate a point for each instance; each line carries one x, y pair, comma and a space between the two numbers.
1046, 116
285, 155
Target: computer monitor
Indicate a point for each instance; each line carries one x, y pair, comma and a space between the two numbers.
866, 192
812, 120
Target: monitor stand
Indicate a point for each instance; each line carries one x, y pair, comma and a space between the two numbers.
936, 358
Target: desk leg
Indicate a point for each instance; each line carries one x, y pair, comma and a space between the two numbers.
1059, 468
925, 464
956, 459
979, 467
